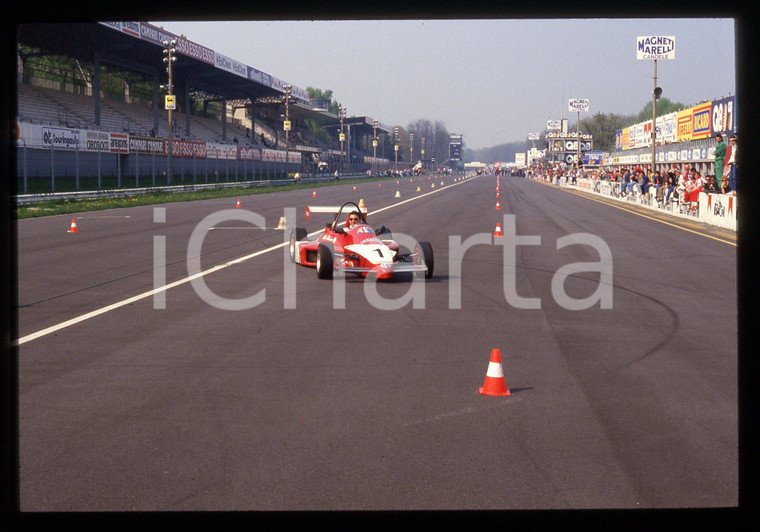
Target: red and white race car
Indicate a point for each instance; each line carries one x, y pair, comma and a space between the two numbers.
353, 246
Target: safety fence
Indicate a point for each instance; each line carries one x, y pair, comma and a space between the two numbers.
719, 210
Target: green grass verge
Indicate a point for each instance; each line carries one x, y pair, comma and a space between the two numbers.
70, 206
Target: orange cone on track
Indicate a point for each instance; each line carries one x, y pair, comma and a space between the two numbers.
73, 228
238, 204
497, 231
498, 207
494, 383
354, 188
314, 194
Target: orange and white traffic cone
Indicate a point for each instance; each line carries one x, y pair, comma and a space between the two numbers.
498, 207
238, 204
73, 228
314, 194
494, 383
497, 231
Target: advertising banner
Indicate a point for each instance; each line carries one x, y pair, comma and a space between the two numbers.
195, 50
723, 116
578, 104
656, 47
259, 77
188, 148
684, 125
669, 130
118, 143
216, 150
147, 145
95, 141
130, 28
230, 65
153, 34
701, 121
57, 137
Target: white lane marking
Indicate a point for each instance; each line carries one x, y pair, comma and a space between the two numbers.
119, 304
121, 216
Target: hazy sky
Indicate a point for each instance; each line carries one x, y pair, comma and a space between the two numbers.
493, 81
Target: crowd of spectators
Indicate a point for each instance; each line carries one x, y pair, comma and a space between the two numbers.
681, 182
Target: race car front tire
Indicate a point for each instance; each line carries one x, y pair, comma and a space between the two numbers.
325, 261
425, 255
298, 234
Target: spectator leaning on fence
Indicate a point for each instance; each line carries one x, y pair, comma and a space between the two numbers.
671, 185
692, 193
711, 185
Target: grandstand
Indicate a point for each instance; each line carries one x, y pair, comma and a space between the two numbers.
81, 81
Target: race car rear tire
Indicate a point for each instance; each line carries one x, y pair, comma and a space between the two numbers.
425, 249
325, 261
298, 234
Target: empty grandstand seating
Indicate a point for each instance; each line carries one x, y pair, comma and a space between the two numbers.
68, 109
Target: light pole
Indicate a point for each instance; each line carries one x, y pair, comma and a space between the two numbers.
656, 93
374, 146
578, 132
169, 58
395, 145
342, 115
411, 149
422, 153
287, 88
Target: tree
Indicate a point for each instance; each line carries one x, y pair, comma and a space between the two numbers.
664, 106
603, 128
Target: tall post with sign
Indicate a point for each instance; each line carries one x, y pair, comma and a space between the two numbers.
374, 146
578, 105
170, 102
655, 47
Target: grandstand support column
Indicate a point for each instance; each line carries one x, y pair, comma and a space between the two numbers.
187, 107
155, 102
224, 117
252, 109
96, 87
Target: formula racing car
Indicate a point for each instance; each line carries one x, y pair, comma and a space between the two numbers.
355, 247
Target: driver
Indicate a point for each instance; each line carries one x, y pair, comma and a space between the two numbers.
354, 219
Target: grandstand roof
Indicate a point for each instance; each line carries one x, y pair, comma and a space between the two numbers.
133, 52
362, 124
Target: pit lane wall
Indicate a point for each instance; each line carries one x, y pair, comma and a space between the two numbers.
719, 210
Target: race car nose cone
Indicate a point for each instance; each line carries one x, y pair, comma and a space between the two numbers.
383, 271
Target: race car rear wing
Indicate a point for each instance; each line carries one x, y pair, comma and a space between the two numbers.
331, 210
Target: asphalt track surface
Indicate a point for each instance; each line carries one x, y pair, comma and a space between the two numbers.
167, 402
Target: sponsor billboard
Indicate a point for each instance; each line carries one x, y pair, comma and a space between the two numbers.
195, 50
684, 125
230, 65
656, 47
723, 115
146, 145
455, 147
578, 104
701, 121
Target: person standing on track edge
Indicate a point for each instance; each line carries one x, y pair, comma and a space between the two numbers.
732, 175
720, 157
